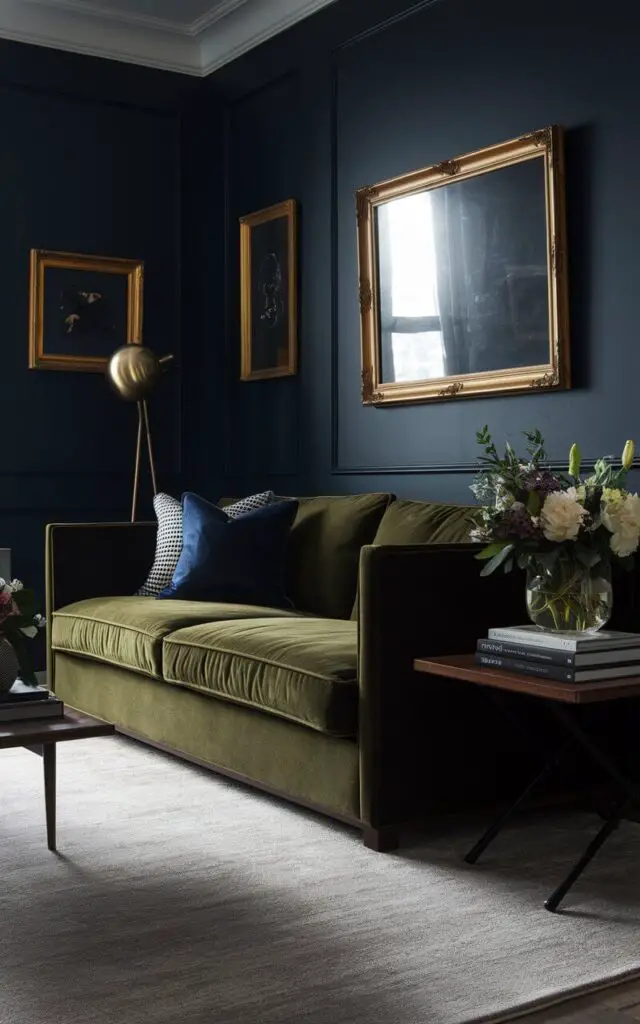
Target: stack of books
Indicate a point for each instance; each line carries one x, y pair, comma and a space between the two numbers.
564, 657
24, 702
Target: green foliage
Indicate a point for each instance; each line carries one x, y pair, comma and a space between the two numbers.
535, 446
491, 550
515, 521
534, 503
497, 560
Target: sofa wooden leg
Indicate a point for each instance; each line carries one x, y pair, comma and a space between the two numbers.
383, 840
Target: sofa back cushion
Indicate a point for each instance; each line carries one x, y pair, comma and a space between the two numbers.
423, 522
426, 522
324, 550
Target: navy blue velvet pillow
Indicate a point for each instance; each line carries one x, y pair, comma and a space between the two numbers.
238, 560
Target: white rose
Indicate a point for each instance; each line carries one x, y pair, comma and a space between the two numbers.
624, 543
16, 585
561, 516
622, 518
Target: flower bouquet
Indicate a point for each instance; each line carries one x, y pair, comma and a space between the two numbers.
563, 529
18, 623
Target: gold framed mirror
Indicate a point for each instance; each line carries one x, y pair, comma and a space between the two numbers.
463, 276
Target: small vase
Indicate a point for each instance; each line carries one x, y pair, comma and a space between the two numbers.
9, 666
569, 597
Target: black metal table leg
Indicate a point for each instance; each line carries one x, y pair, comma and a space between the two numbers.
499, 823
599, 840
631, 792
593, 750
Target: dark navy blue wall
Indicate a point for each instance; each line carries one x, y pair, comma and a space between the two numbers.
360, 92
108, 158
90, 164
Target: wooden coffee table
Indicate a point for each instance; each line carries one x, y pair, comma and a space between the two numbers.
563, 702
41, 735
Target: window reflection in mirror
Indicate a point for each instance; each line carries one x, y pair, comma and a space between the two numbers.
462, 276
410, 328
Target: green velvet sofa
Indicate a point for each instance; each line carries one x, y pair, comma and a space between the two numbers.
319, 705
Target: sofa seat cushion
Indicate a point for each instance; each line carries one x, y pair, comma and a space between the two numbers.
302, 669
128, 631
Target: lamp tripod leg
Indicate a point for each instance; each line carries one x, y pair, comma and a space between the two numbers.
152, 465
136, 471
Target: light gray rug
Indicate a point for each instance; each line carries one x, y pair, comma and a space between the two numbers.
180, 897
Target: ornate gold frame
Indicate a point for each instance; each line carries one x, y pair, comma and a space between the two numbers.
41, 259
546, 143
287, 209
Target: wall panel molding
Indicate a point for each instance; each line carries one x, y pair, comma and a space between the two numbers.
232, 314
462, 468
386, 23
337, 468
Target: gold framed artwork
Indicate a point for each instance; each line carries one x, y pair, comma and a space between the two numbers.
269, 292
82, 308
463, 276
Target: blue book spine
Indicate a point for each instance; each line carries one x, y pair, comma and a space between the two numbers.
527, 668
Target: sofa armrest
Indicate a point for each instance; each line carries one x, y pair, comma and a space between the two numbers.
96, 559
414, 601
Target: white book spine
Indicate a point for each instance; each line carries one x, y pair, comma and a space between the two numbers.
560, 643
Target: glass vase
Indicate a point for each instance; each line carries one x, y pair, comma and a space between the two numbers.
569, 597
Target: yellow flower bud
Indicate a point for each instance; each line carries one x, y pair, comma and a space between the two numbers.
574, 461
628, 454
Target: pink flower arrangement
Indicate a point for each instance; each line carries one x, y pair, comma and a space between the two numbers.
19, 621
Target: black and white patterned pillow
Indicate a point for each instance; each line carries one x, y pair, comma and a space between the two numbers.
168, 511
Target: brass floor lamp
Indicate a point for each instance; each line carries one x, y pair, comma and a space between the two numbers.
134, 372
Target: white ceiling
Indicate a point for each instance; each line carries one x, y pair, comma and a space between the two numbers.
182, 12
194, 37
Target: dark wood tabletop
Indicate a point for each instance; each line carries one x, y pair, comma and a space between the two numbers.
72, 726
464, 668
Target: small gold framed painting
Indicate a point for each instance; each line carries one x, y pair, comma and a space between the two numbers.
82, 308
268, 292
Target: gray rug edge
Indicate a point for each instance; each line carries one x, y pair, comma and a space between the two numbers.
560, 998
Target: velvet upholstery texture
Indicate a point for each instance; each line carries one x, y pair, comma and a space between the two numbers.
324, 549
425, 522
232, 559
416, 735
128, 631
303, 669
302, 764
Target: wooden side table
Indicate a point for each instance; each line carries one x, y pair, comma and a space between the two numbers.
41, 735
560, 699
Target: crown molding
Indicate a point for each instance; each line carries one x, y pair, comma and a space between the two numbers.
95, 9
238, 33
64, 27
205, 21
197, 49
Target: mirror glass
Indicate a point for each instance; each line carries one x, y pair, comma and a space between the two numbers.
462, 276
